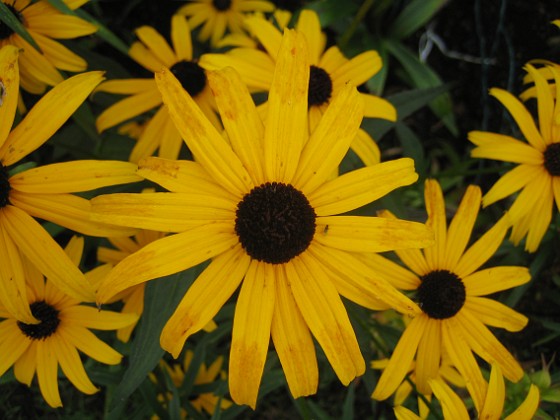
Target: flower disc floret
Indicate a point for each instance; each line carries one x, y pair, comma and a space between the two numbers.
320, 86
49, 321
191, 76
441, 294
552, 159
275, 222
221, 5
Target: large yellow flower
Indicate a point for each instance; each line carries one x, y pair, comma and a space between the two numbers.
330, 71
154, 53
450, 293
45, 23
261, 206
63, 329
537, 158
221, 15
44, 192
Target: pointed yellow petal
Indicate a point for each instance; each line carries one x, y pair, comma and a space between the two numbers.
35, 66
168, 255
330, 140
292, 341
371, 234
47, 369
326, 316
205, 298
545, 101
396, 274
435, 206
93, 318
452, 405
46, 254
85, 341
26, 366
308, 24
157, 44
494, 403
358, 70
504, 148
251, 333
59, 26
240, 118
207, 145
41, 123
181, 38
286, 129
60, 56
72, 366
428, 357
511, 182
376, 107
75, 176
402, 357
14, 344
265, 32
360, 187
403, 413
9, 89
495, 314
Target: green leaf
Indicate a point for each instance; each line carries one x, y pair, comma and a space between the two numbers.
10, 20
422, 76
161, 298
412, 147
415, 15
348, 406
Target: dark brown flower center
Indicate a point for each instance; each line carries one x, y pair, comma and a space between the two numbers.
441, 294
552, 159
48, 315
191, 76
221, 5
4, 186
5, 30
275, 223
320, 87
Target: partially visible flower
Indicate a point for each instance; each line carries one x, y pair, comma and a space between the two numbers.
45, 192
262, 207
537, 160
44, 23
217, 16
330, 71
450, 291
207, 401
63, 329
154, 53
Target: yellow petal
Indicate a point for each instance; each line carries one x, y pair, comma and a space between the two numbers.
9, 89
428, 357
545, 103
495, 279
292, 341
330, 140
213, 287
394, 273
403, 413
26, 366
511, 182
308, 24
47, 369
435, 206
358, 70
181, 38
452, 405
495, 314
60, 56
402, 357
207, 145
59, 26
360, 187
265, 32
46, 254
75, 176
366, 148
376, 107
128, 86
159, 132
286, 129
72, 366
251, 333
166, 256
14, 344
528, 407
35, 66
90, 317
494, 403
85, 341
157, 44
504, 148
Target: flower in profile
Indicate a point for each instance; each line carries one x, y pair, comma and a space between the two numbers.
154, 53
263, 208
454, 408
63, 329
536, 174
45, 191
44, 24
450, 289
207, 401
217, 16
330, 71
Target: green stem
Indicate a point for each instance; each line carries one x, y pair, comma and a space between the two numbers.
366, 5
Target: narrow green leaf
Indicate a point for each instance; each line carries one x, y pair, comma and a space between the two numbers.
348, 406
415, 15
161, 299
412, 147
61, 7
10, 20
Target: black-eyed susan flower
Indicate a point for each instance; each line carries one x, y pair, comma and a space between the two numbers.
330, 71
450, 289
154, 53
63, 329
44, 24
536, 174
44, 192
207, 401
262, 207
219, 16
453, 406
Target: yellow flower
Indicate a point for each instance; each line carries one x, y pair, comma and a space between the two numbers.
154, 53
44, 192
454, 408
217, 16
537, 171
207, 401
45, 23
262, 208
450, 293
63, 329
330, 71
